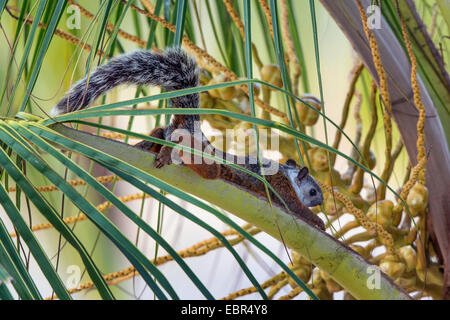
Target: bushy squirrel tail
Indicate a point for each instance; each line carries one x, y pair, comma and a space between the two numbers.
173, 69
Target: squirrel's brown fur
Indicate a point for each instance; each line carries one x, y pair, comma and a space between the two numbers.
174, 70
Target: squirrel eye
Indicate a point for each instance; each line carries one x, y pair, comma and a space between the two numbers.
312, 192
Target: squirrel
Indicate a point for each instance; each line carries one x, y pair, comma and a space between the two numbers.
174, 69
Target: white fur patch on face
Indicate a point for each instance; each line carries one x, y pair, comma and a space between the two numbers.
304, 187
292, 176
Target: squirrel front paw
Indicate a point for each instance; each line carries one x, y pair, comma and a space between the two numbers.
151, 146
145, 145
164, 157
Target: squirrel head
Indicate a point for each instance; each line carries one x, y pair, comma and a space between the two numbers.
306, 188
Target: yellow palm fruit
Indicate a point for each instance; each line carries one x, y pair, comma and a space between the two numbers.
242, 95
206, 101
204, 77
372, 161
432, 274
370, 195
298, 259
332, 285
303, 273
322, 293
332, 205
243, 126
256, 89
360, 250
319, 286
409, 257
219, 123
227, 93
381, 212
317, 279
392, 266
216, 121
244, 102
417, 199
406, 282
244, 139
287, 150
301, 268
318, 158
271, 73
348, 296
228, 105
244, 105
308, 117
325, 177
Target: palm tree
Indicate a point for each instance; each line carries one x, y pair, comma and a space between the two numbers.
75, 193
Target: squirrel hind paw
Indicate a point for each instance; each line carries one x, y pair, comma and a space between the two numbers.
317, 222
321, 225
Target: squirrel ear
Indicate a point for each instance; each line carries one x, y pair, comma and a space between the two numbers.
291, 163
302, 173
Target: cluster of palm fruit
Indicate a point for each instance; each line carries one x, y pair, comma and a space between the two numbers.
404, 264
235, 100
